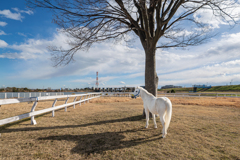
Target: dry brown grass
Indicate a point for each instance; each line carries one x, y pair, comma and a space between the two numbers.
208, 101
113, 128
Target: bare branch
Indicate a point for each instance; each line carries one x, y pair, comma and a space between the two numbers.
155, 22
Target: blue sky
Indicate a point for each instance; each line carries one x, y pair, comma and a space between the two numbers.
25, 60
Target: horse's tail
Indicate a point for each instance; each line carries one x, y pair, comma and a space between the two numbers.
168, 115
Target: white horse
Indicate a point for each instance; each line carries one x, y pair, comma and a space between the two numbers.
161, 106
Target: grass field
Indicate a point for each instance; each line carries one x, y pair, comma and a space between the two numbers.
227, 89
113, 128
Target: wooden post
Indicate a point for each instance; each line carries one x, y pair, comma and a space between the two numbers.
66, 103
54, 106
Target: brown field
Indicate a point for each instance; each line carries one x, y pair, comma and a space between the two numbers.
113, 128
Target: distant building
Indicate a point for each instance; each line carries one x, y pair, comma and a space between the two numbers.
170, 86
195, 87
202, 86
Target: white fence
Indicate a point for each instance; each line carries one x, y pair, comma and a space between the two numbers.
233, 95
79, 98
7, 95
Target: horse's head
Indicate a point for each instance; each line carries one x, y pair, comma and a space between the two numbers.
136, 92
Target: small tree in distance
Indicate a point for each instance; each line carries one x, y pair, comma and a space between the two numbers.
157, 24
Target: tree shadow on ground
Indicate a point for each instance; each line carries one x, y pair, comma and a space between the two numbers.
4, 129
101, 142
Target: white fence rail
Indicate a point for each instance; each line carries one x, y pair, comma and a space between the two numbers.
233, 95
80, 98
7, 95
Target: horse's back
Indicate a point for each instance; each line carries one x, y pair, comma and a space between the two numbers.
161, 104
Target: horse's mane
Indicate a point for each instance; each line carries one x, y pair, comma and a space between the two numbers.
146, 91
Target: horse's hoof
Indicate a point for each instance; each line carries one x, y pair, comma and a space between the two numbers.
146, 127
155, 127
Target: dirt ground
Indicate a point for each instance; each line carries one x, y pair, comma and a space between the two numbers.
113, 128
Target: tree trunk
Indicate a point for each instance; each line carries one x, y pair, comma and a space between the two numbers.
151, 78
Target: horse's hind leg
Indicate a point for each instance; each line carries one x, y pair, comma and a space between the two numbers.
163, 124
154, 121
147, 117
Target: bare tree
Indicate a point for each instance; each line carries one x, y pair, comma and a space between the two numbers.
157, 23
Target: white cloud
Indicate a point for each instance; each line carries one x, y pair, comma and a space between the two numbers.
116, 62
108, 58
3, 44
22, 34
214, 18
29, 12
3, 23
8, 14
220, 73
121, 82
2, 33
15, 16
216, 62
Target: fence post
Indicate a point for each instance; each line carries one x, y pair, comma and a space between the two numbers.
18, 95
40, 94
80, 100
74, 101
5, 95
29, 94
54, 106
33, 121
66, 103
88, 97
84, 99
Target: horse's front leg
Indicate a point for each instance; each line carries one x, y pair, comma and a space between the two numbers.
154, 121
147, 117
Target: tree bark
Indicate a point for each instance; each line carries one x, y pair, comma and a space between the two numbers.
151, 78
